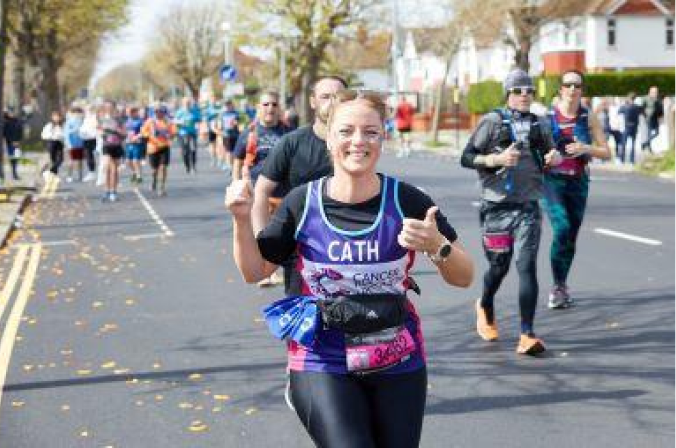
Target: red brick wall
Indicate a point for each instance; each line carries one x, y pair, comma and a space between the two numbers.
557, 62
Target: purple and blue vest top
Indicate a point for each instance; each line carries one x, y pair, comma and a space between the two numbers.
334, 262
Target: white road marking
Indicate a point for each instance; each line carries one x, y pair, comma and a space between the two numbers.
626, 236
147, 236
59, 243
153, 214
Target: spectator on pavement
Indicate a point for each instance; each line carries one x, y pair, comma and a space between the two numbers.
604, 115
653, 109
53, 136
404, 120
13, 135
631, 113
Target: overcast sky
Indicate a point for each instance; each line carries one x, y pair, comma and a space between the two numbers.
132, 41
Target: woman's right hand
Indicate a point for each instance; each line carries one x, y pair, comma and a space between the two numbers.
239, 198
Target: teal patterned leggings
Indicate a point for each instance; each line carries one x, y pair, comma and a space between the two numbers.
565, 202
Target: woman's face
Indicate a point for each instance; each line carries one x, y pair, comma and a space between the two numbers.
571, 87
355, 137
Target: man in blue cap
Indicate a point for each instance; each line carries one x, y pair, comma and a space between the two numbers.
510, 149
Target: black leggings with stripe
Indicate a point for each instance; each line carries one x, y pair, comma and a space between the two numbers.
369, 411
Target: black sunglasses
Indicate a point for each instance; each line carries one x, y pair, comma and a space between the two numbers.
522, 90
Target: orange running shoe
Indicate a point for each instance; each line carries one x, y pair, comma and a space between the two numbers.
530, 345
488, 332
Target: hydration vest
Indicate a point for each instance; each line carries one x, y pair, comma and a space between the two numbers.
581, 133
536, 141
251, 145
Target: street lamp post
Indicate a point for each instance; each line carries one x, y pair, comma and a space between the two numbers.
227, 51
395, 45
282, 74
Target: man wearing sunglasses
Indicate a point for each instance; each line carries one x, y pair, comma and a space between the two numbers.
300, 157
510, 149
256, 143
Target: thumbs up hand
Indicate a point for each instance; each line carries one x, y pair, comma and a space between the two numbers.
422, 236
239, 198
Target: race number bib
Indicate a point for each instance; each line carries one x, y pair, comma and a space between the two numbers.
371, 352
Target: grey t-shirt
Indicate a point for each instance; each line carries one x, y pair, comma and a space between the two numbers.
526, 176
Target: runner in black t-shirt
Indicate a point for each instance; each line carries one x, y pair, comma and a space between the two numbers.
299, 157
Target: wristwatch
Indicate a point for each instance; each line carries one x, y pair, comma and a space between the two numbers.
442, 253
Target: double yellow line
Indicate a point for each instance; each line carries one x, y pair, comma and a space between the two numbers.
32, 254
50, 187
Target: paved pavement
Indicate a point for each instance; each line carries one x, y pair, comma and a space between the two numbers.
130, 327
24, 189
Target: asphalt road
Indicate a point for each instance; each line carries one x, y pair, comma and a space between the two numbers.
138, 332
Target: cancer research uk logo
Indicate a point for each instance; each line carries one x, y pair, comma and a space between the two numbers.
329, 283
328, 291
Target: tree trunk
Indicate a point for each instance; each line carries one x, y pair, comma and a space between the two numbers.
19, 80
440, 94
50, 85
3, 53
522, 54
308, 79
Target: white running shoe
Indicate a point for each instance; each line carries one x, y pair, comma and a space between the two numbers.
559, 298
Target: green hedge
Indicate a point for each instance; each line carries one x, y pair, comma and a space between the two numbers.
484, 97
487, 95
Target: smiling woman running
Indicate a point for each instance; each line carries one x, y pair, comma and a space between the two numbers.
360, 379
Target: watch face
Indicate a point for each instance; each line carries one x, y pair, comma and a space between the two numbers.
445, 250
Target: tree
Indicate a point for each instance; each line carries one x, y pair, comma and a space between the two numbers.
46, 33
121, 83
190, 44
4, 4
525, 18
313, 26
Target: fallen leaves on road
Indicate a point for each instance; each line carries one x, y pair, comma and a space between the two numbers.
109, 365
198, 426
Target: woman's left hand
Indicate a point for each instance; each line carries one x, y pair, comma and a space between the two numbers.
421, 236
576, 149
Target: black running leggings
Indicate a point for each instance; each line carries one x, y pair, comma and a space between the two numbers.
369, 411
90, 148
523, 224
55, 149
